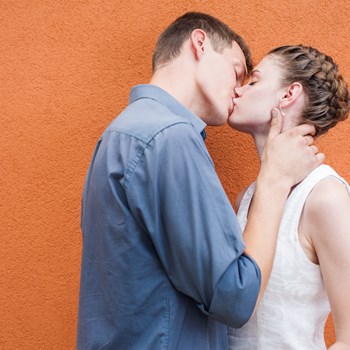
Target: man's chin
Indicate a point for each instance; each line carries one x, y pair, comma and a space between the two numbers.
230, 118
230, 111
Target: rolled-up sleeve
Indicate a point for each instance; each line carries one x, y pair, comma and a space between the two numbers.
175, 195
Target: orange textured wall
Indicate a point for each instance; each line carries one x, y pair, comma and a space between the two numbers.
66, 68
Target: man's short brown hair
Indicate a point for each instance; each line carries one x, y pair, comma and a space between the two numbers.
221, 36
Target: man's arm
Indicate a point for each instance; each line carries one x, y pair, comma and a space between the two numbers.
175, 194
287, 159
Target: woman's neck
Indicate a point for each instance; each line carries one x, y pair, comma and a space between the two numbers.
260, 137
260, 140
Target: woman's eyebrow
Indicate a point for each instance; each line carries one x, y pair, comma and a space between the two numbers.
255, 71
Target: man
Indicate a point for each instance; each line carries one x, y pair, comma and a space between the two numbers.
164, 265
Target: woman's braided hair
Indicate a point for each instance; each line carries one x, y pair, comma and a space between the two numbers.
327, 94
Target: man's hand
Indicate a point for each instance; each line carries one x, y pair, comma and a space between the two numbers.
289, 156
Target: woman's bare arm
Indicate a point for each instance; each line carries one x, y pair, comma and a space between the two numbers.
327, 221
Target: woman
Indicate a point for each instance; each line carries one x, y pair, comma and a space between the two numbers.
311, 272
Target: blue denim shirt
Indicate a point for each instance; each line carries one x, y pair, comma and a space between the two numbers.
163, 264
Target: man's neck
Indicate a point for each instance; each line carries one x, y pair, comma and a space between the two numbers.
177, 78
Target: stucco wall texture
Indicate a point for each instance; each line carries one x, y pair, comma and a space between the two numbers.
66, 68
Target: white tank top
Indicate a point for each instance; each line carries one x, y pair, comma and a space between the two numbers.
294, 308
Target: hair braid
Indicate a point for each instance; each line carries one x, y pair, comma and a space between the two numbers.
327, 94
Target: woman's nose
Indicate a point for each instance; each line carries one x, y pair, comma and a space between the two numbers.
238, 91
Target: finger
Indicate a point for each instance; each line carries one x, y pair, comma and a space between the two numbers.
314, 149
320, 158
309, 140
305, 129
276, 123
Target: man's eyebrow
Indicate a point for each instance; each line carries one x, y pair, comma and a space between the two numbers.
243, 73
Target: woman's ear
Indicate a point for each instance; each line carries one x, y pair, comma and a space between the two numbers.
292, 95
199, 43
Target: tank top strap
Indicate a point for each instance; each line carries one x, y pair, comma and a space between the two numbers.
297, 199
242, 214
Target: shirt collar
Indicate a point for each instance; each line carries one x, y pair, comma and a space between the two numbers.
156, 93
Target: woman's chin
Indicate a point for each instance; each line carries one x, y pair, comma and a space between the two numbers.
233, 120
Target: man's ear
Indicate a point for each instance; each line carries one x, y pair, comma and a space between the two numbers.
199, 42
291, 95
